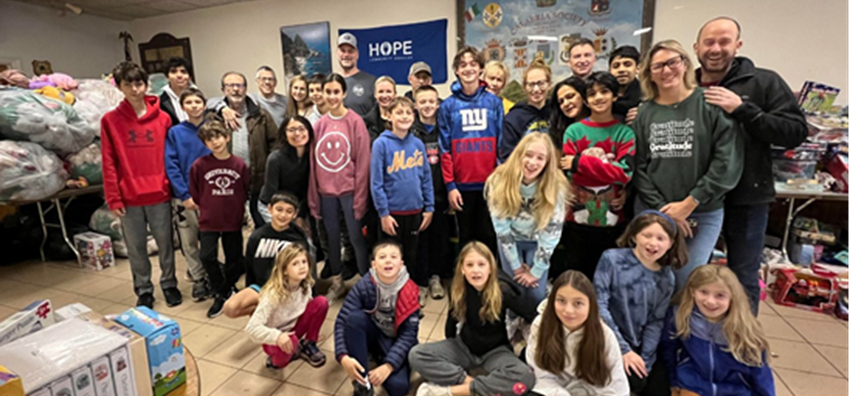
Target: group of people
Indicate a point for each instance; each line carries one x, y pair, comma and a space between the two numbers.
585, 215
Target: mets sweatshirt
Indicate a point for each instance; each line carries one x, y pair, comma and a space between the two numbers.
401, 179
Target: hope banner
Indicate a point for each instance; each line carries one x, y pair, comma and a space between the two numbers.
390, 50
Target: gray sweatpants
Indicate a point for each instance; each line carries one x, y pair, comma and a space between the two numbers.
189, 231
447, 362
135, 226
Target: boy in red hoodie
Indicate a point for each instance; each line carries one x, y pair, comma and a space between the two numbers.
134, 181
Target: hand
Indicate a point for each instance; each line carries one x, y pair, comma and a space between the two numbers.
189, 204
353, 369
388, 224
631, 115
675, 392
120, 212
284, 342
723, 98
594, 152
379, 374
680, 210
455, 200
426, 220
634, 364
526, 279
567, 162
231, 118
619, 200
523, 269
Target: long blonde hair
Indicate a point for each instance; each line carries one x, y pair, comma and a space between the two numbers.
747, 341
491, 296
277, 287
650, 90
502, 187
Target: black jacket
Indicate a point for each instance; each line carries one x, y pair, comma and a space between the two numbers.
166, 106
286, 172
521, 120
769, 116
631, 98
432, 154
374, 123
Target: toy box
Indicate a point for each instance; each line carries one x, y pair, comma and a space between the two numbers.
10, 383
837, 167
62, 387
102, 377
806, 289
95, 250
83, 382
122, 372
34, 317
41, 392
164, 344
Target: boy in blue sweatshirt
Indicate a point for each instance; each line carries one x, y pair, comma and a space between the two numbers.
402, 189
182, 148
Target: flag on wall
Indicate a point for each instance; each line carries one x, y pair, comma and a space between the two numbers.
472, 12
390, 50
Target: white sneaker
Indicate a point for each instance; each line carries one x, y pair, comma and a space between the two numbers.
431, 389
336, 289
436, 288
423, 295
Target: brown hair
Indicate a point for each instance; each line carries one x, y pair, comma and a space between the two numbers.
398, 101
550, 354
476, 56
129, 72
278, 284
676, 257
491, 296
292, 106
211, 129
540, 64
385, 243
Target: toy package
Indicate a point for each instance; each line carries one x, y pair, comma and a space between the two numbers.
31, 319
28, 172
807, 289
165, 347
10, 383
95, 250
817, 97
27, 116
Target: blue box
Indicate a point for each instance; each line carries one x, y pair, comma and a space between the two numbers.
164, 344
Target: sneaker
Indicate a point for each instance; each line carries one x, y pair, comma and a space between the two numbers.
349, 270
217, 306
326, 271
435, 286
145, 300
189, 276
200, 291
173, 297
270, 365
431, 389
311, 353
336, 289
361, 390
423, 295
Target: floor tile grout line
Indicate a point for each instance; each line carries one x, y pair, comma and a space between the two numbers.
815, 348
776, 373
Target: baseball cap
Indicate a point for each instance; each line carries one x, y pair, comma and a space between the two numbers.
418, 67
347, 38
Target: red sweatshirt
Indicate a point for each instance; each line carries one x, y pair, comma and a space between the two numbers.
133, 151
220, 189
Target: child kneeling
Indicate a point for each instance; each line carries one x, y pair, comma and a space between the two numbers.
288, 319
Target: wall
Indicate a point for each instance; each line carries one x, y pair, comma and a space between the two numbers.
79, 45
243, 36
800, 39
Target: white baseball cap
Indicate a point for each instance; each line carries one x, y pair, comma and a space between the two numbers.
418, 67
347, 38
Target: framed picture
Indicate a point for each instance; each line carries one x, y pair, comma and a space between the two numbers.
306, 49
517, 31
155, 53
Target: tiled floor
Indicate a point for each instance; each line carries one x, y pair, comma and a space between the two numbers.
811, 349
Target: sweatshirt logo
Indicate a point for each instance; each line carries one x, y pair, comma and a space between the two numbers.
222, 179
432, 150
672, 139
401, 163
473, 119
134, 136
333, 152
268, 247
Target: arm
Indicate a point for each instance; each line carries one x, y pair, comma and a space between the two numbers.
406, 340
451, 324
507, 242
195, 186
353, 302
780, 121
618, 171
725, 169
646, 189
361, 168
179, 185
257, 327
312, 181
546, 381
426, 181
272, 178
548, 238
250, 252
602, 283
669, 346
510, 138
654, 325
110, 172
619, 384
762, 379
379, 194
246, 179
514, 302
445, 138
500, 123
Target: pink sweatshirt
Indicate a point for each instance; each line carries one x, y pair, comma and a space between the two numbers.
340, 161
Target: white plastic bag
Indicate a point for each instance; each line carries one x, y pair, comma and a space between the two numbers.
27, 116
28, 172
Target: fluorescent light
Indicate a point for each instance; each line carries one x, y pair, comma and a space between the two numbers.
73, 8
641, 31
543, 38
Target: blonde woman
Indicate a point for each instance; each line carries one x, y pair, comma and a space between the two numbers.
496, 76
527, 198
529, 116
299, 100
688, 153
376, 119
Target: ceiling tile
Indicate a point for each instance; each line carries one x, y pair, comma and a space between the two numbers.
171, 6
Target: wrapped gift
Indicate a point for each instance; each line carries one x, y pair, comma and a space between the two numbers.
95, 250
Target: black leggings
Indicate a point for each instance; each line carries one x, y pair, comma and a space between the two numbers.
222, 277
330, 217
474, 221
656, 384
407, 235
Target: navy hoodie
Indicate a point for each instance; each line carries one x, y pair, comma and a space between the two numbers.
400, 176
182, 148
520, 121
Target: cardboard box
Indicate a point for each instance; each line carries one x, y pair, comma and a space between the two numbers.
164, 344
75, 310
102, 377
122, 372
95, 250
62, 387
10, 383
83, 382
837, 167
34, 317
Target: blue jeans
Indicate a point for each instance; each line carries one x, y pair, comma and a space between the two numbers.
743, 230
527, 249
701, 245
363, 338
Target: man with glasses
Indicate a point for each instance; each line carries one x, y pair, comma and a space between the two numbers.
767, 113
253, 137
272, 101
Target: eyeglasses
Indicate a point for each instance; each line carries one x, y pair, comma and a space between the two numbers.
267, 79
296, 130
234, 86
671, 64
538, 84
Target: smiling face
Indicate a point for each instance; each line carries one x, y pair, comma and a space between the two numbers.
234, 88
347, 56
427, 104
572, 307
582, 59
476, 270
717, 45
713, 300
282, 214
298, 91
333, 152
534, 162
667, 69
402, 118
569, 100
317, 96
333, 94
178, 78
384, 94
218, 144
387, 263
296, 134
298, 269
536, 87
624, 69
194, 106
266, 82
652, 243
600, 99
468, 70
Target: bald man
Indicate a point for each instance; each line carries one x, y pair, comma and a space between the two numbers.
767, 113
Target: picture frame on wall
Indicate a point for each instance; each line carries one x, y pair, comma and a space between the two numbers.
516, 31
306, 49
155, 53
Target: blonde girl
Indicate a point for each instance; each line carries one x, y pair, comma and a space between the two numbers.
496, 75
